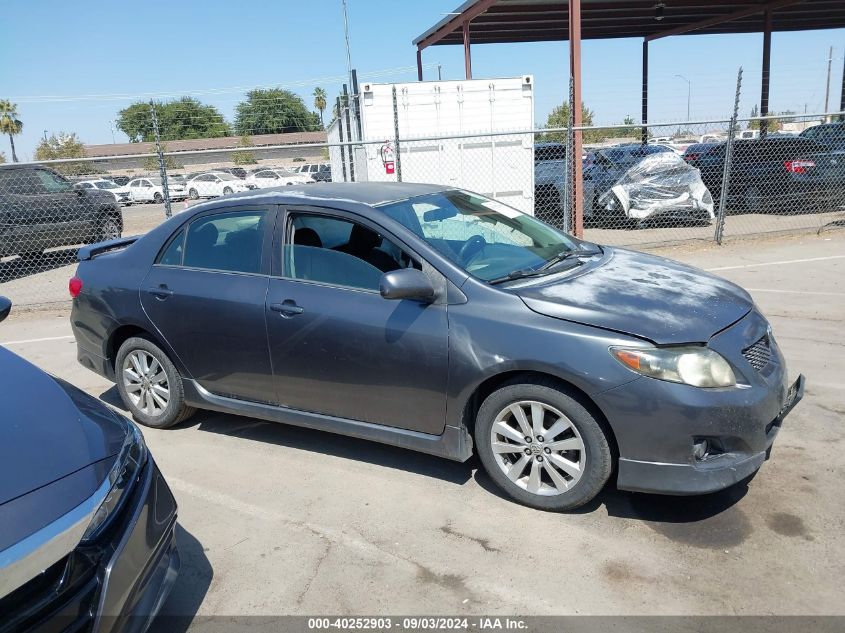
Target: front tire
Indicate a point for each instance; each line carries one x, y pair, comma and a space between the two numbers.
227, 191
193, 194
541, 446
150, 384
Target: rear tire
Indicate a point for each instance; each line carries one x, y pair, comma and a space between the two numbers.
753, 200
158, 198
109, 229
567, 461
227, 191
150, 384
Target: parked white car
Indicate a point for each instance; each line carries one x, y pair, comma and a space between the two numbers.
121, 194
151, 190
214, 184
277, 177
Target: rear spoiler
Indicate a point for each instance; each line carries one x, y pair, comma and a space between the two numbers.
92, 250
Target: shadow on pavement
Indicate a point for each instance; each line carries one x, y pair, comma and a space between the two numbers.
666, 514
718, 510
192, 584
36, 263
320, 442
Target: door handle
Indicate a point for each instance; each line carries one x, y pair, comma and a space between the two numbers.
161, 293
287, 308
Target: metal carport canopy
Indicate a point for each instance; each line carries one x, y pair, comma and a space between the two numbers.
501, 21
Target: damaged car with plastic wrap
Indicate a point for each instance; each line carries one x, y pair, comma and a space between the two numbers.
657, 187
441, 321
87, 522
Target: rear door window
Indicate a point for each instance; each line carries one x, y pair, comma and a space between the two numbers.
172, 254
226, 241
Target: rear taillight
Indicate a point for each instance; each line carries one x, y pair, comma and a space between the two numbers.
74, 286
689, 157
798, 166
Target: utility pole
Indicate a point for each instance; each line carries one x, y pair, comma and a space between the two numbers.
111, 127
827, 84
346, 36
439, 78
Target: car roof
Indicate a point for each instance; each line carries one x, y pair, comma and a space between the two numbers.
322, 193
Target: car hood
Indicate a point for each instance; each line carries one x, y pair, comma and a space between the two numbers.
48, 428
642, 295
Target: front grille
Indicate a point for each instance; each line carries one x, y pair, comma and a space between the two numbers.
759, 354
63, 597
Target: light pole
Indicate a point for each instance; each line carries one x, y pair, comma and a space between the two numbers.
689, 92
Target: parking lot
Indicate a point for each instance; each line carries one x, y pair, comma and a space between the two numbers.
283, 520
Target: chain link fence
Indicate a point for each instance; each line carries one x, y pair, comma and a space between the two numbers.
780, 174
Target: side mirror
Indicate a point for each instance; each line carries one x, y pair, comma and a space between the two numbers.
406, 283
5, 307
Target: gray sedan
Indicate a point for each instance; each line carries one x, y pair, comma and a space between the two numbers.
441, 321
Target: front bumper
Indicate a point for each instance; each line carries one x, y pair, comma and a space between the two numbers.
657, 424
116, 585
709, 475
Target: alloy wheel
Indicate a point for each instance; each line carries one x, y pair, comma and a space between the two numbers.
110, 229
145, 382
538, 448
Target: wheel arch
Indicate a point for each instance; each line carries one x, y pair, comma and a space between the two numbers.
493, 383
124, 332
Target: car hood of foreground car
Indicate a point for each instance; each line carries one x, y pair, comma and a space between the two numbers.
643, 295
49, 429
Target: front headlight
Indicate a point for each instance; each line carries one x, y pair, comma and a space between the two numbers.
690, 365
122, 477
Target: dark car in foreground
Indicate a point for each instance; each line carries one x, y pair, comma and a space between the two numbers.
441, 321
87, 523
787, 174
41, 209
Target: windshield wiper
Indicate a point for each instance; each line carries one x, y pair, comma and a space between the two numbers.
564, 255
522, 273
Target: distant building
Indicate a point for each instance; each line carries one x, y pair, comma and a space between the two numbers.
206, 153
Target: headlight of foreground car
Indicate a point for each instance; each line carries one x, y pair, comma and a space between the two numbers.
123, 475
696, 366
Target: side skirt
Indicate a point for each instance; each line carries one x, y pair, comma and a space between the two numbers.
454, 443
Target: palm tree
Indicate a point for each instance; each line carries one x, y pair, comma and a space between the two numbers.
10, 123
320, 101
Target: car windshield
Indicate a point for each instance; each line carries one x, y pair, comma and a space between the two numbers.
488, 239
105, 184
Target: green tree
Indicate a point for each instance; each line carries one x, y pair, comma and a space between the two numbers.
320, 102
244, 157
63, 146
183, 118
773, 124
273, 111
559, 117
10, 123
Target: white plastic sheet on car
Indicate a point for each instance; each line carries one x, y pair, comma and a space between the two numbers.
661, 184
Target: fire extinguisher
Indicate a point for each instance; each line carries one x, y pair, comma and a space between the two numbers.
388, 157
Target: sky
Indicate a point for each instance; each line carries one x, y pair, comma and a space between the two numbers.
71, 66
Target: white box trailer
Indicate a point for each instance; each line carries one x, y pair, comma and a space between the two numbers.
476, 111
